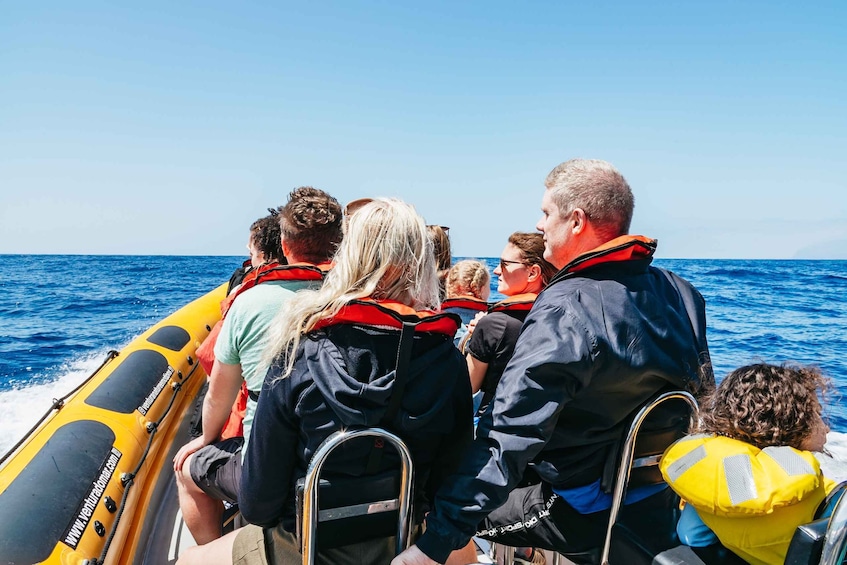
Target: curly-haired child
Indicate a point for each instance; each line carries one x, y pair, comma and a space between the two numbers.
749, 476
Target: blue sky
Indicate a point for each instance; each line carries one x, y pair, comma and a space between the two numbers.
167, 128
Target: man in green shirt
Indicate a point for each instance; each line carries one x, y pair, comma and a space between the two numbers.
208, 471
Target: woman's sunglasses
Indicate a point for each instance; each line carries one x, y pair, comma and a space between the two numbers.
504, 262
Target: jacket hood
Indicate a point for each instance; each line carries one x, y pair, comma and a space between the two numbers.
357, 382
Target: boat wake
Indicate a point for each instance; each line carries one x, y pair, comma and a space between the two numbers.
834, 465
21, 407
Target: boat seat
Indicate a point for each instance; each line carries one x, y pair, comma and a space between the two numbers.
806, 546
343, 510
807, 543
231, 519
639, 465
636, 464
828, 529
629, 548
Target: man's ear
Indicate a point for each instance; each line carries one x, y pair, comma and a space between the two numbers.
285, 249
580, 220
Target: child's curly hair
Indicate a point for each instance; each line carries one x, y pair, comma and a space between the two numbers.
765, 405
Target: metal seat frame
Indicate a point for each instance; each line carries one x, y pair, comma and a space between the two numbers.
628, 463
625, 466
835, 543
403, 502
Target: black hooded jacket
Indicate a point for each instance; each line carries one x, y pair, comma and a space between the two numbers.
343, 376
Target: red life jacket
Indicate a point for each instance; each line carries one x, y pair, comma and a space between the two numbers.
234, 426
623, 248
276, 272
518, 302
391, 314
467, 302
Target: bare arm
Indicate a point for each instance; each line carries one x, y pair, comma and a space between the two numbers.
476, 370
224, 383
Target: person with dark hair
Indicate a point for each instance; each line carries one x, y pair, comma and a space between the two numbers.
340, 356
490, 342
607, 334
440, 237
263, 246
208, 468
265, 250
310, 225
749, 476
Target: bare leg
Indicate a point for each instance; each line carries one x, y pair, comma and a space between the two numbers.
218, 552
202, 513
463, 556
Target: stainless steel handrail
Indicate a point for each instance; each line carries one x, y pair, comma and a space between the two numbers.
627, 454
310, 490
835, 542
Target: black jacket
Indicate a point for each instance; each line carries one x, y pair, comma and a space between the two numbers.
343, 376
607, 334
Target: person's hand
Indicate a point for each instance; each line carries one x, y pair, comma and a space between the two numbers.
472, 323
413, 556
186, 450
463, 343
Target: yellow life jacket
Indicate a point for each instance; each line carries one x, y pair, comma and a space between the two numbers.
752, 499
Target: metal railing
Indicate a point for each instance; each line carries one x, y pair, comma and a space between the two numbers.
835, 544
311, 514
627, 455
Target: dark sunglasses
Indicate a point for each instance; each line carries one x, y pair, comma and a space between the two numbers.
504, 262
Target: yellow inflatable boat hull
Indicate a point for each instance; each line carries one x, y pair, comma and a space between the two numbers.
81, 486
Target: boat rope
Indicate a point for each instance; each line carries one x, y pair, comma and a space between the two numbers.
58, 403
128, 479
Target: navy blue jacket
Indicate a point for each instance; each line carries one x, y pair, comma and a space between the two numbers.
343, 376
607, 334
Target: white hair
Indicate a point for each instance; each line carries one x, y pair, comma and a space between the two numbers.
598, 188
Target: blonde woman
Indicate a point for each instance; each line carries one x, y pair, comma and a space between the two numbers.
334, 353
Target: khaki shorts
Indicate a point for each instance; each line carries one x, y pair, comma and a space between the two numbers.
275, 546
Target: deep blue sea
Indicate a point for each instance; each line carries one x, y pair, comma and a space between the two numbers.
60, 314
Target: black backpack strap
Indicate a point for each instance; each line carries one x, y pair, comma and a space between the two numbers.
401, 373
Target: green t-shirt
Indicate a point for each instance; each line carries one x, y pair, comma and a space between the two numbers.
244, 334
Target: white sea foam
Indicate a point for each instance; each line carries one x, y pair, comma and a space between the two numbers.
835, 466
21, 408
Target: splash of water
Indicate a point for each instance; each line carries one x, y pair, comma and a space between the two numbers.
21, 407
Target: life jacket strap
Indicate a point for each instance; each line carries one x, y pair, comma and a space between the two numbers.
401, 373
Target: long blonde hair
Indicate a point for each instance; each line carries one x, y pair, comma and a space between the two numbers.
385, 254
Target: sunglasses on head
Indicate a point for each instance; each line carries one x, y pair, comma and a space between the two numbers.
355, 205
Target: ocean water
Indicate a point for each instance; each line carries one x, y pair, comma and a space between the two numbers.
61, 314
